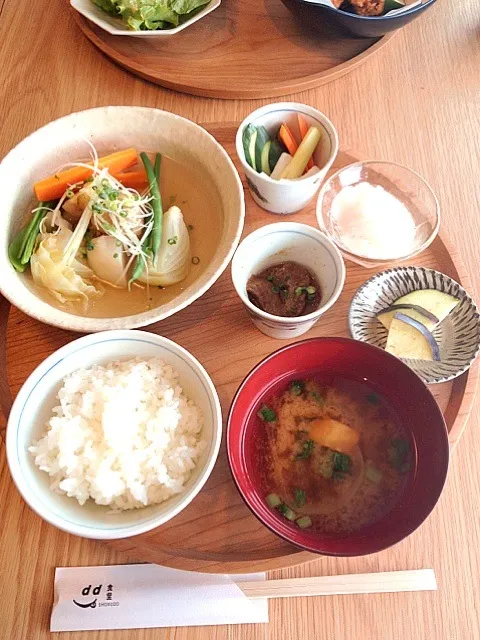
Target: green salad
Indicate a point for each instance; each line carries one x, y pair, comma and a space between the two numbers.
150, 15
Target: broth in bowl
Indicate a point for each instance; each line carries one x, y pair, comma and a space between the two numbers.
335, 457
337, 446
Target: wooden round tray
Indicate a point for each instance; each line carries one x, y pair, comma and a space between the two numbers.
217, 532
243, 49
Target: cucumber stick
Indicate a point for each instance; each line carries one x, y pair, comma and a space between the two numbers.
303, 154
265, 158
260, 142
249, 139
276, 150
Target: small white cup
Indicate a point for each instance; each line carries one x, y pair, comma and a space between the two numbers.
288, 196
282, 242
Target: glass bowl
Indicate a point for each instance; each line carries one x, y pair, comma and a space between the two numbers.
404, 184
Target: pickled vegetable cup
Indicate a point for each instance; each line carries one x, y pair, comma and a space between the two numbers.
288, 242
286, 150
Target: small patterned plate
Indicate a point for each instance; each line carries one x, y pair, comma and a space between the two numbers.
458, 336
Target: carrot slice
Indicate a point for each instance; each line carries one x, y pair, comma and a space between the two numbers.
333, 434
53, 187
133, 179
286, 136
303, 126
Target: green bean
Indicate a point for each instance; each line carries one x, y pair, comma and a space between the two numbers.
14, 252
140, 261
156, 202
33, 230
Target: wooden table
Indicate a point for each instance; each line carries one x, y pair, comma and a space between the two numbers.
417, 102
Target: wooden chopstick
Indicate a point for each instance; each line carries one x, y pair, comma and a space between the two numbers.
386, 582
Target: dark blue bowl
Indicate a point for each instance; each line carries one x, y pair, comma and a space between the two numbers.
374, 27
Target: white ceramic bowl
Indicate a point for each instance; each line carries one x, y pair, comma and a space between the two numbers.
288, 196
33, 407
117, 28
458, 336
110, 129
282, 242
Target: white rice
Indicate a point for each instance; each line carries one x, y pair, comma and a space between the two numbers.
124, 435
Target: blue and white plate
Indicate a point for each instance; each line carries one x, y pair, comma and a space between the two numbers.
458, 336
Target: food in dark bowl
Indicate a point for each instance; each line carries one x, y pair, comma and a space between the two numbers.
337, 446
287, 289
350, 18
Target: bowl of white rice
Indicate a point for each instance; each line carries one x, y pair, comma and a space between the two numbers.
114, 434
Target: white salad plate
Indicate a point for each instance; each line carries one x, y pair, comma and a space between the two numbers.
33, 408
117, 28
458, 336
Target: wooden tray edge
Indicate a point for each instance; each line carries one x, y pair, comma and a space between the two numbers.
280, 89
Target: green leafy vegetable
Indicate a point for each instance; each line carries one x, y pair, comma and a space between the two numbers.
21, 248
398, 454
306, 450
150, 15
267, 414
341, 462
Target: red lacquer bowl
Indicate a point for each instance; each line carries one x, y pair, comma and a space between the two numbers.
413, 404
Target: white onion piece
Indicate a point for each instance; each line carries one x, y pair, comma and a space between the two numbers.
173, 257
108, 261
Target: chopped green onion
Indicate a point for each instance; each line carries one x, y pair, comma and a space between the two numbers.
299, 291
306, 450
287, 512
297, 387
273, 500
195, 260
310, 290
115, 255
300, 497
372, 474
172, 240
267, 414
270, 278
304, 522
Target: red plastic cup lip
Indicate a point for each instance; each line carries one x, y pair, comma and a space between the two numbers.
314, 542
